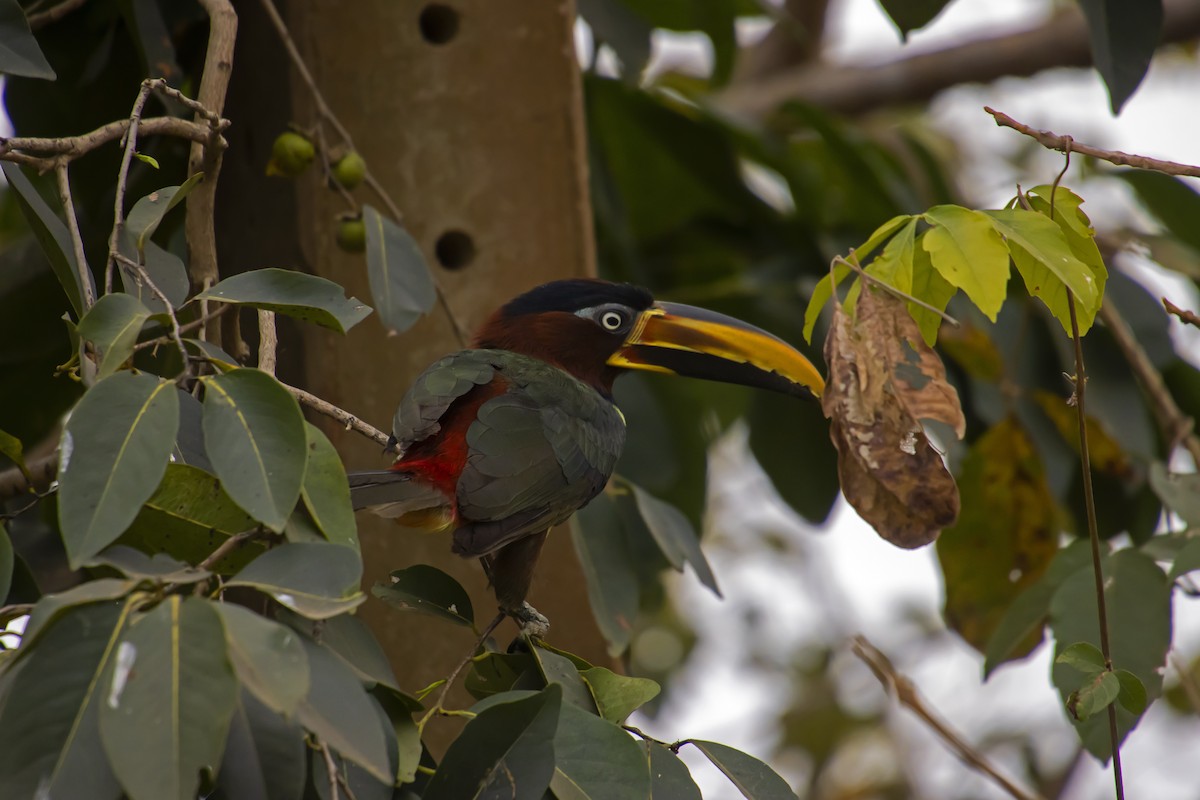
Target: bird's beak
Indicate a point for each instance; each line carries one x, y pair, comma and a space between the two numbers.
697, 343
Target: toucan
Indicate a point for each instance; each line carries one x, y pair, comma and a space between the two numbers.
502, 441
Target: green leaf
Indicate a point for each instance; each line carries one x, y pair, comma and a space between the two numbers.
1048, 266
496, 673
821, 295
342, 714
618, 696
670, 778
427, 590
611, 581
113, 325
909, 15
507, 751
265, 755
188, 517
1124, 35
1138, 597
169, 701
399, 708
254, 435
349, 638
674, 536
595, 760
1133, 694
144, 218
1179, 491
315, 579
559, 669
619, 27
1028, 612
12, 449
1171, 199
326, 491
269, 658
49, 736
894, 266
928, 285
52, 235
401, 284
1096, 694
754, 779
1187, 560
159, 567
50, 606
114, 452
1084, 657
967, 251
164, 268
1075, 225
145, 159
296, 294
19, 51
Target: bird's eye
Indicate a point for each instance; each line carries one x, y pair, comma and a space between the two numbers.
612, 320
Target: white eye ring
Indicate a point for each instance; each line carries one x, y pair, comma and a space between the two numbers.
612, 320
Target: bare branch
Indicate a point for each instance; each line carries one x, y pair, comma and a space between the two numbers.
227, 547
54, 14
346, 418
1176, 426
68, 204
907, 695
267, 341
14, 483
1061, 41
144, 277
205, 157
1185, 316
1067, 144
44, 153
114, 238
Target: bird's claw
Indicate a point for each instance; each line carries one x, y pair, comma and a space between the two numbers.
529, 620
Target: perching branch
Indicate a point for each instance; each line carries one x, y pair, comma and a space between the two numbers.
326, 113
907, 695
1065, 144
346, 418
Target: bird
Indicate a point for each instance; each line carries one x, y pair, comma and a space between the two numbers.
504, 440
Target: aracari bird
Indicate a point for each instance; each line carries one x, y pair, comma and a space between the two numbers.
503, 441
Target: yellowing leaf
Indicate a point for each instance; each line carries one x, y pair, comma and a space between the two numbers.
1005, 538
1105, 453
965, 248
930, 287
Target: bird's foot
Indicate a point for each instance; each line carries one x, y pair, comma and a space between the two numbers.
529, 620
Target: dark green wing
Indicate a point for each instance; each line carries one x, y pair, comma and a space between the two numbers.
435, 389
535, 454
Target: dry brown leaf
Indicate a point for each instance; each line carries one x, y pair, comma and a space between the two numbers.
882, 379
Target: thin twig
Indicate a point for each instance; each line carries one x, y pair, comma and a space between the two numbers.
907, 695
892, 290
14, 482
346, 418
81, 264
268, 340
53, 14
438, 705
114, 238
227, 547
332, 769
326, 113
1053, 141
1185, 316
144, 276
185, 328
1176, 426
44, 153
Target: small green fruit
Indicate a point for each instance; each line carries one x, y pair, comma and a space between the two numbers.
350, 170
352, 235
290, 155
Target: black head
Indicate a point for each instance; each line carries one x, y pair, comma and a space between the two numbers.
575, 294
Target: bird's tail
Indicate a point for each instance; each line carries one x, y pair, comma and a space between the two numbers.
402, 496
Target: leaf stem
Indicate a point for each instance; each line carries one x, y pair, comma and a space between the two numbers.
852, 263
438, 707
1089, 498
